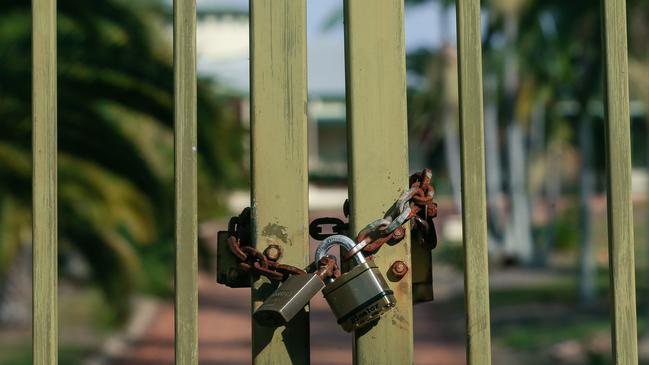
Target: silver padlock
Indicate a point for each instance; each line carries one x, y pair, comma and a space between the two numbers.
295, 293
359, 296
288, 300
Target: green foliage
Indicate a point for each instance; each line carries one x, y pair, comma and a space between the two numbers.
567, 230
558, 45
115, 138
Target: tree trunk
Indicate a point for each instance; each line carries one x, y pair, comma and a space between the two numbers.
647, 207
553, 193
16, 290
587, 265
520, 238
450, 123
495, 193
518, 232
452, 150
537, 155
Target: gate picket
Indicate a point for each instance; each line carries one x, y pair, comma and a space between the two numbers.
378, 158
280, 211
185, 150
624, 330
44, 180
474, 208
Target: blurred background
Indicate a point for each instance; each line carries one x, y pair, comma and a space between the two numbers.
544, 134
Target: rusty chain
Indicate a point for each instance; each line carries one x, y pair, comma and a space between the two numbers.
252, 260
415, 205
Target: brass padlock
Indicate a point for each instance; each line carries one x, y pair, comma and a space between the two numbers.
359, 296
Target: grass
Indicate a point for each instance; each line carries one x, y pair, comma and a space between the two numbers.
22, 354
531, 320
558, 292
85, 319
547, 333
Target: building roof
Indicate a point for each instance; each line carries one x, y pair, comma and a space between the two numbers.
219, 6
222, 4
326, 70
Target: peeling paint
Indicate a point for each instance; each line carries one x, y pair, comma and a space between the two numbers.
272, 230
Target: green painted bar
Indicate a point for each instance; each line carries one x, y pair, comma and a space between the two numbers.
474, 211
279, 161
620, 211
378, 157
186, 311
45, 308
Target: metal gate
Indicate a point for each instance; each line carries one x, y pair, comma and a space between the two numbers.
376, 111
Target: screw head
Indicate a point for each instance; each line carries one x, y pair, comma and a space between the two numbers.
273, 252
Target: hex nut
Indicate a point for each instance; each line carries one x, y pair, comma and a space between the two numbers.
273, 252
399, 269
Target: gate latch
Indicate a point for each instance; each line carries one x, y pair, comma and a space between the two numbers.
317, 231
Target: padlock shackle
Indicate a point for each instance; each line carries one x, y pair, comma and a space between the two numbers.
338, 240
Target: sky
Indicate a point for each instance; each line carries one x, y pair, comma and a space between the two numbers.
425, 25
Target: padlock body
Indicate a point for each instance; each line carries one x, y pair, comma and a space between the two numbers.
359, 296
228, 271
288, 300
421, 268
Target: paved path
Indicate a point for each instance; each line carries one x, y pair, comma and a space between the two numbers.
224, 333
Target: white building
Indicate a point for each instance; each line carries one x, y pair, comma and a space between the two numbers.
223, 53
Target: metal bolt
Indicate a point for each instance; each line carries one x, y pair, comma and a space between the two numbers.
399, 269
273, 252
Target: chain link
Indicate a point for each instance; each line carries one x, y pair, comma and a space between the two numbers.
338, 226
414, 205
252, 260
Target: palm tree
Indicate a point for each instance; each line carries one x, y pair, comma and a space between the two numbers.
560, 43
115, 137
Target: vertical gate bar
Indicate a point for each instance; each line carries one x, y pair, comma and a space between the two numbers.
620, 210
44, 104
378, 157
474, 211
186, 311
279, 161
